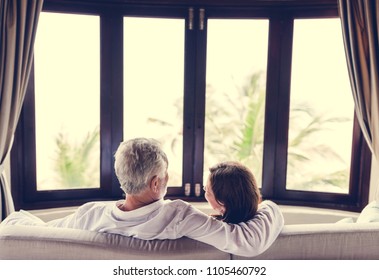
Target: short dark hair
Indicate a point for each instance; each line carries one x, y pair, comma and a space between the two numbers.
234, 186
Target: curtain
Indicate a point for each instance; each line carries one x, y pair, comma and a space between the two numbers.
360, 30
360, 26
18, 24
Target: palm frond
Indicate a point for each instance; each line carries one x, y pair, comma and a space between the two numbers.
72, 162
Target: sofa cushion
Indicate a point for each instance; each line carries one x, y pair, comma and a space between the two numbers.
370, 213
345, 220
333, 241
312, 241
45, 243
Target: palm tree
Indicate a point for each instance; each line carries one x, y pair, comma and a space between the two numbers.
239, 134
234, 124
235, 127
74, 164
302, 149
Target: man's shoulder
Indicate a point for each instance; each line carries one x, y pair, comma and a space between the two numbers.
182, 209
98, 204
176, 204
95, 206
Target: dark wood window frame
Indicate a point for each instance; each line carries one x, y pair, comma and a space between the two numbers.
281, 15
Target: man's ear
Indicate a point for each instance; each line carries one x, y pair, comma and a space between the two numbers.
154, 184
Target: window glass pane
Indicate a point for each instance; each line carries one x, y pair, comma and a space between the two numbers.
235, 93
67, 96
153, 85
321, 110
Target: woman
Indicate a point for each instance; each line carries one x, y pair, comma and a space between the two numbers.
232, 191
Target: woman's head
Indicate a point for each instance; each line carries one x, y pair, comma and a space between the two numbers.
232, 190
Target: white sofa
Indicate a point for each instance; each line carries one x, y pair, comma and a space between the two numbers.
313, 241
347, 240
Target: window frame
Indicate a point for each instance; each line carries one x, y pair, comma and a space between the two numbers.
278, 108
281, 17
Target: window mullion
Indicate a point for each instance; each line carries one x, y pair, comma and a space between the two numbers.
283, 102
189, 103
272, 90
277, 107
201, 47
111, 119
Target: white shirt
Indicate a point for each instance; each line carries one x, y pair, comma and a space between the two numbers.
166, 219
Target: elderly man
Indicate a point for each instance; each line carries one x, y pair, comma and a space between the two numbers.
141, 168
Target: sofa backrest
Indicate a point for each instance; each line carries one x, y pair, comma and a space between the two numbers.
339, 241
43, 243
313, 241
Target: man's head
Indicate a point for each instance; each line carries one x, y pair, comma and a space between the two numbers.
138, 162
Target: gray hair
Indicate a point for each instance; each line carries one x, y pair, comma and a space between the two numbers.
137, 161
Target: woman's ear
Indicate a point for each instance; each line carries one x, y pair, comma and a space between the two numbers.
222, 209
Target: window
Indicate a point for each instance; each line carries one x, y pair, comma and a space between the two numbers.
235, 92
320, 138
261, 84
67, 140
153, 85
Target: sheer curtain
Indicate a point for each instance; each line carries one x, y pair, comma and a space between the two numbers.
18, 24
360, 26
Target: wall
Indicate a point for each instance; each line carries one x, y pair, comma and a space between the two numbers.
292, 214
